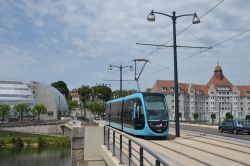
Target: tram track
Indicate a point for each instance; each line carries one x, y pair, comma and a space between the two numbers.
183, 154
193, 138
214, 139
199, 149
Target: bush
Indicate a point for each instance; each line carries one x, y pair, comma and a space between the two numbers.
41, 142
247, 117
13, 141
2, 143
19, 142
195, 115
28, 143
229, 116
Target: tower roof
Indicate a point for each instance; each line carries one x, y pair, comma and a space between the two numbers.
218, 79
217, 68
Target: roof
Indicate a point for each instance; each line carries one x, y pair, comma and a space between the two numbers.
216, 82
244, 90
158, 86
218, 79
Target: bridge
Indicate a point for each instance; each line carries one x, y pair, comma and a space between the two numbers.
101, 145
98, 145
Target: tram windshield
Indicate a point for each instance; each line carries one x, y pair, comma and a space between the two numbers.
155, 107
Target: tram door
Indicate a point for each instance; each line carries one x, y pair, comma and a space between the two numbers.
138, 115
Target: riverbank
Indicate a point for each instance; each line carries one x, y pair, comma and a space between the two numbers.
21, 140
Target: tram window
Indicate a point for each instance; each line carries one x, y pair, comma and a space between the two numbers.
139, 121
127, 119
139, 111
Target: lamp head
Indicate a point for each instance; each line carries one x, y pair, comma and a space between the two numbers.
196, 19
151, 16
110, 67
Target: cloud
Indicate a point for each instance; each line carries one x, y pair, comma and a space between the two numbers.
76, 40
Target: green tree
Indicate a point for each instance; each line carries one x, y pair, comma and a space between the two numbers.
72, 104
116, 93
95, 107
195, 115
229, 116
213, 116
62, 87
247, 117
39, 109
21, 108
101, 92
180, 115
4, 110
85, 93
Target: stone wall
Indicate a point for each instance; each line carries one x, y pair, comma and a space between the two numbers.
55, 129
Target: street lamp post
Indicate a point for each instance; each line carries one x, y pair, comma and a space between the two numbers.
219, 112
120, 67
196, 20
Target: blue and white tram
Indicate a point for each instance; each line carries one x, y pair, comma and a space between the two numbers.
142, 114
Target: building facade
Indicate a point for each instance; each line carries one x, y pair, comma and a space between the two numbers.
54, 101
218, 96
15, 92
75, 96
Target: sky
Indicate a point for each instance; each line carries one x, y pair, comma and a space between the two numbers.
76, 41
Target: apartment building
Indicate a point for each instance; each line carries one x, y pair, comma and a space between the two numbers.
218, 96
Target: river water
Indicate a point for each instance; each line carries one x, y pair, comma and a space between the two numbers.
35, 157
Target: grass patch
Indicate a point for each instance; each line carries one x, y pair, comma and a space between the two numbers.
29, 140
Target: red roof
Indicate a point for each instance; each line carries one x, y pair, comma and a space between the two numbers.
244, 90
218, 79
169, 84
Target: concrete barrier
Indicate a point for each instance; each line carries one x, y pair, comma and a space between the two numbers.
86, 146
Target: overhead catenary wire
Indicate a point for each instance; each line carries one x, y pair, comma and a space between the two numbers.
185, 29
230, 38
157, 49
193, 35
200, 51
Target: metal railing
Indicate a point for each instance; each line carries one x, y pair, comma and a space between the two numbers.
129, 151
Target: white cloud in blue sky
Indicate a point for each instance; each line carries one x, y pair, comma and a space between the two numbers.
76, 41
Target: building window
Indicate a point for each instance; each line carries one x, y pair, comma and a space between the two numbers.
50, 113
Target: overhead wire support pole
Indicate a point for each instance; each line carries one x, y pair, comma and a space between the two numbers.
196, 20
120, 67
137, 77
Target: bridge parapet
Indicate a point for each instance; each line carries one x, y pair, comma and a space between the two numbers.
86, 145
127, 151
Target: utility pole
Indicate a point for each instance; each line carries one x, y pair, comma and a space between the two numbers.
196, 20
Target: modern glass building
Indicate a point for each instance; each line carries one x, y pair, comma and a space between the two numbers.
15, 92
